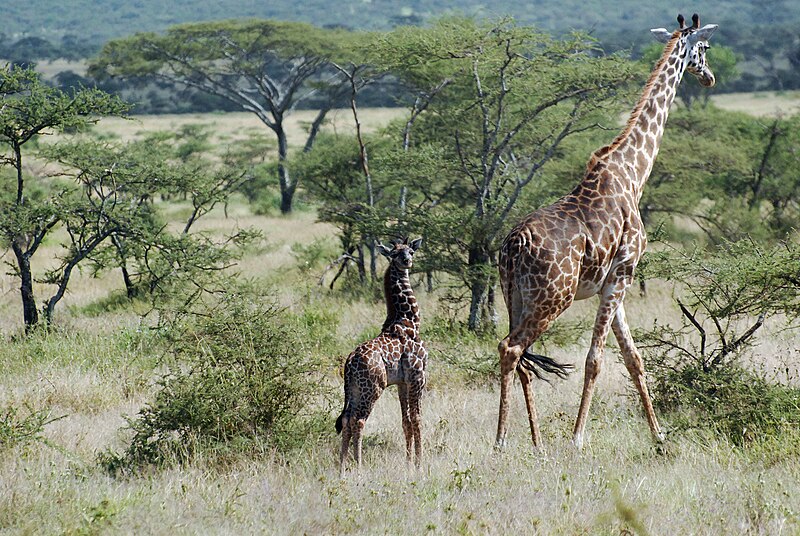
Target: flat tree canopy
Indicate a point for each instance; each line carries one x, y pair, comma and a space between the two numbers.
265, 67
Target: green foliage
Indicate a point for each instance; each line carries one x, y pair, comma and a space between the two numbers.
240, 379
494, 103
732, 401
158, 264
736, 280
18, 431
260, 66
251, 41
30, 109
738, 179
310, 257
699, 373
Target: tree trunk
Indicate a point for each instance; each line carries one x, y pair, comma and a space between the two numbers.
315, 126
476, 306
479, 288
29, 312
373, 259
362, 273
287, 197
287, 187
18, 165
131, 289
491, 304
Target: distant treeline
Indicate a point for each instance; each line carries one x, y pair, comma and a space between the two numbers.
768, 54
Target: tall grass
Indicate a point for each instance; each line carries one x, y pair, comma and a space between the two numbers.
98, 368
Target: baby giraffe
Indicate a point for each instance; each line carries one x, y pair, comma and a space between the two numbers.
397, 356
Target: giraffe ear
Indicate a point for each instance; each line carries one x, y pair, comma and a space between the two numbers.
661, 34
415, 244
705, 32
385, 251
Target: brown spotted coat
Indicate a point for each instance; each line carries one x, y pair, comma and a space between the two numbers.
397, 356
589, 242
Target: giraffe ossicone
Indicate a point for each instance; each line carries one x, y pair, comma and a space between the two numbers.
589, 242
397, 356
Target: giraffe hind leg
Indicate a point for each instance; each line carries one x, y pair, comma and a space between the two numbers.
359, 416
402, 393
509, 359
527, 391
415, 416
514, 355
344, 423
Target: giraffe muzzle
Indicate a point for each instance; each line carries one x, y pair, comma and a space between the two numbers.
708, 79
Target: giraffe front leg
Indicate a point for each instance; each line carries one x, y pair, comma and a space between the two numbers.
610, 300
402, 393
633, 362
415, 416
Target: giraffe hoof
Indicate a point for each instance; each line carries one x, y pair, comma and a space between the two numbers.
577, 440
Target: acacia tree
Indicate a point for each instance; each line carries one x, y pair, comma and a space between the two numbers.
703, 374
28, 109
740, 179
120, 183
503, 98
264, 67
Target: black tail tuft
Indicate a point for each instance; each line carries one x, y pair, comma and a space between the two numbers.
539, 364
339, 423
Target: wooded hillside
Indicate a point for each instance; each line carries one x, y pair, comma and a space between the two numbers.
763, 35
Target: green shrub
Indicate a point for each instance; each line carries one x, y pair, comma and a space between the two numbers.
731, 401
240, 379
16, 430
312, 256
698, 375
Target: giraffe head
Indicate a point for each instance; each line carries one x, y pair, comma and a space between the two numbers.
401, 253
692, 45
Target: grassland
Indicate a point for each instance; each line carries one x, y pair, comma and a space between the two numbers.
763, 103
93, 370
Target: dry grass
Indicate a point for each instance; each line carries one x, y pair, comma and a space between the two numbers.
228, 128
764, 103
620, 484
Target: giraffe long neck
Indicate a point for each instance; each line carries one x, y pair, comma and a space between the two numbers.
401, 304
636, 147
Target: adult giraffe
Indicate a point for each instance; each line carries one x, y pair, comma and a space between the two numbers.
590, 241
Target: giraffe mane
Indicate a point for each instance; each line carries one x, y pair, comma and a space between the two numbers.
602, 152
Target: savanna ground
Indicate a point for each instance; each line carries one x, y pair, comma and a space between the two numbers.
93, 369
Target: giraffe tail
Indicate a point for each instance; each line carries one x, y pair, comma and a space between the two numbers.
339, 423
348, 392
540, 364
